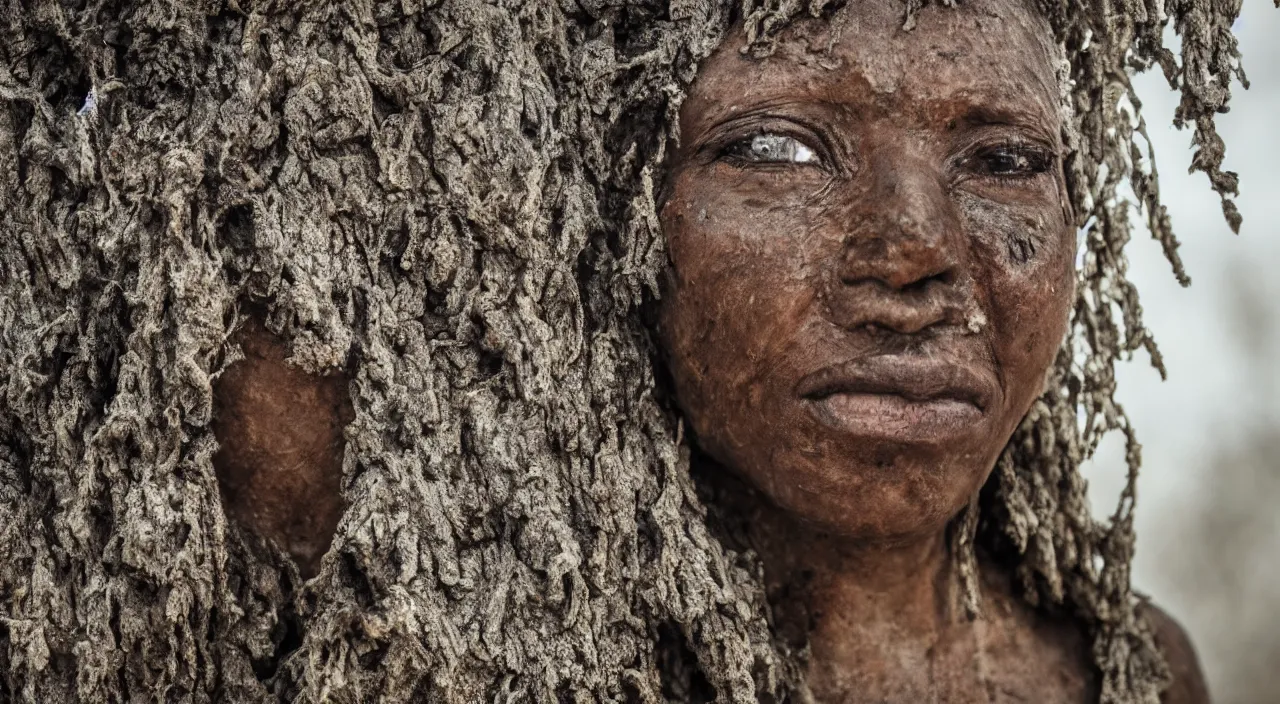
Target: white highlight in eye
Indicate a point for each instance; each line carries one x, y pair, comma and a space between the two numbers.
776, 148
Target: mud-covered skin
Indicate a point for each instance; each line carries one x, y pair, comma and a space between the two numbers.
279, 461
916, 244
899, 247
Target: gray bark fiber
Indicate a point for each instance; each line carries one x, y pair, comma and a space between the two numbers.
456, 199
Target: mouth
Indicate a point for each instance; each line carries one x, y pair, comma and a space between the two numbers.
904, 398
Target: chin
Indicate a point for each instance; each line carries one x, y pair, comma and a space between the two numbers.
879, 489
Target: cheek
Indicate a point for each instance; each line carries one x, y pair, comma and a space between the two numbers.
1024, 263
735, 301
739, 273
1036, 305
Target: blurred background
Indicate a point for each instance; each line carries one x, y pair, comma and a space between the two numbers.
1208, 511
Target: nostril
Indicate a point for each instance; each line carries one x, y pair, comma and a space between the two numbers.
943, 279
910, 280
903, 283
899, 264
873, 306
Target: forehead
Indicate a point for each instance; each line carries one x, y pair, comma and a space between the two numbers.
995, 55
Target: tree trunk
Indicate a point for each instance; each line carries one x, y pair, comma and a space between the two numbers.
452, 197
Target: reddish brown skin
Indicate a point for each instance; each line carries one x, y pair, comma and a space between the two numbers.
279, 462
901, 246
856, 336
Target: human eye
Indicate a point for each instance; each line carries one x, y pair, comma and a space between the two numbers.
1010, 160
770, 148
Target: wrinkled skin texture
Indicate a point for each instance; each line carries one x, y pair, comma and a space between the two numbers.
872, 253
900, 264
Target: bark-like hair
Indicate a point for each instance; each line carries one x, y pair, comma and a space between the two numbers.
454, 200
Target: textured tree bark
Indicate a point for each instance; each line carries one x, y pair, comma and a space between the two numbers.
453, 200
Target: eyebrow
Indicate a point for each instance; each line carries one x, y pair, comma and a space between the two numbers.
986, 107
999, 115
973, 106
981, 110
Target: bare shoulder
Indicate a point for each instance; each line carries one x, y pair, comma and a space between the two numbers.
1188, 685
1047, 657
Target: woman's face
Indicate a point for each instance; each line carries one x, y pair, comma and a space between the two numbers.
871, 250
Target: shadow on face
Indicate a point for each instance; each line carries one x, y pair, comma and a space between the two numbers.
871, 258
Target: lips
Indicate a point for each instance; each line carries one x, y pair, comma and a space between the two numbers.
907, 398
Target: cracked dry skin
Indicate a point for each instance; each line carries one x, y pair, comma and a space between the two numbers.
872, 252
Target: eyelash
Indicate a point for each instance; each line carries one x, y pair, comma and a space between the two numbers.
735, 151
1038, 160
1029, 160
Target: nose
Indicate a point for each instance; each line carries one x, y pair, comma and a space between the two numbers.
900, 265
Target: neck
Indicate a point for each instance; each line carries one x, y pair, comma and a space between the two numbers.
836, 592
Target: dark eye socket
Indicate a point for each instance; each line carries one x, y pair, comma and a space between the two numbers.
1012, 161
771, 148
